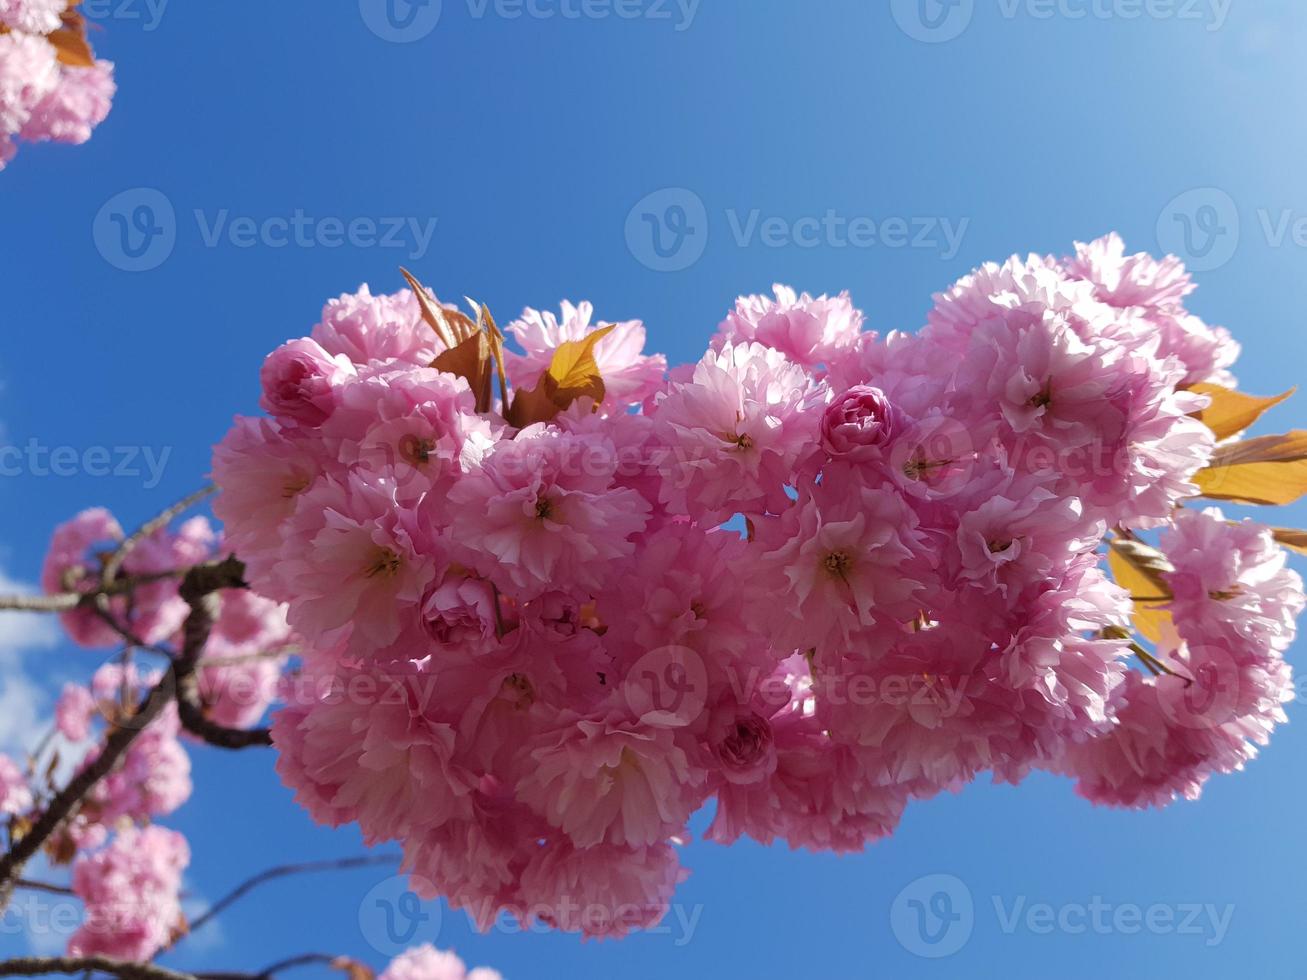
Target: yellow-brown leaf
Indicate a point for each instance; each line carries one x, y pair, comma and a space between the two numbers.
1265, 470
1231, 412
450, 326
1139, 570
573, 373
574, 369
70, 42
471, 359
353, 968
1291, 538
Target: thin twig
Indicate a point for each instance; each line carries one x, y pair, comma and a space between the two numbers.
36, 966
41, 886
197, 589
306, 959
115, 563
68, 601
308, 867
200, 593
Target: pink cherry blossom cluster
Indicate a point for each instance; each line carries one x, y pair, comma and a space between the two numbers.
125, 869
428, 963
131, 890
813, 577
46, 93
247, 648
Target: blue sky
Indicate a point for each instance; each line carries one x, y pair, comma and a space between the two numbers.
512, 151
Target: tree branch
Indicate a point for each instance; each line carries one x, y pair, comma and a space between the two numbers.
307, 959
200, 592
68, 601
41, 886
197, 589
115, 563
240, 891
36, 966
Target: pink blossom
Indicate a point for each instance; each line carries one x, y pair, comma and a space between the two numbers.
608, 780
78, 104
73, 713
131, 893
15, 796
428, 963
32, 16
836, 563
354, 562
735, 431
1155, 290
372, 746
367, 329
858, 424
543, 508
300, 381
813, 577
629, 375
603, 892
811, 332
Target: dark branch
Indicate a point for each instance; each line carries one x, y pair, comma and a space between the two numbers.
37, 966
308, 867
115, 563
41, 886
197, 589
200, 589
68, 601
307, 959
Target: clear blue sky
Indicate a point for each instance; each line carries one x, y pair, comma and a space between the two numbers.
531, 140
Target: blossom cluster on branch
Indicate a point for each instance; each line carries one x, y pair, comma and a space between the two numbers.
553, 601
526, 611
52, 87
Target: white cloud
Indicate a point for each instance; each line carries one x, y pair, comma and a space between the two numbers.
23, 702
